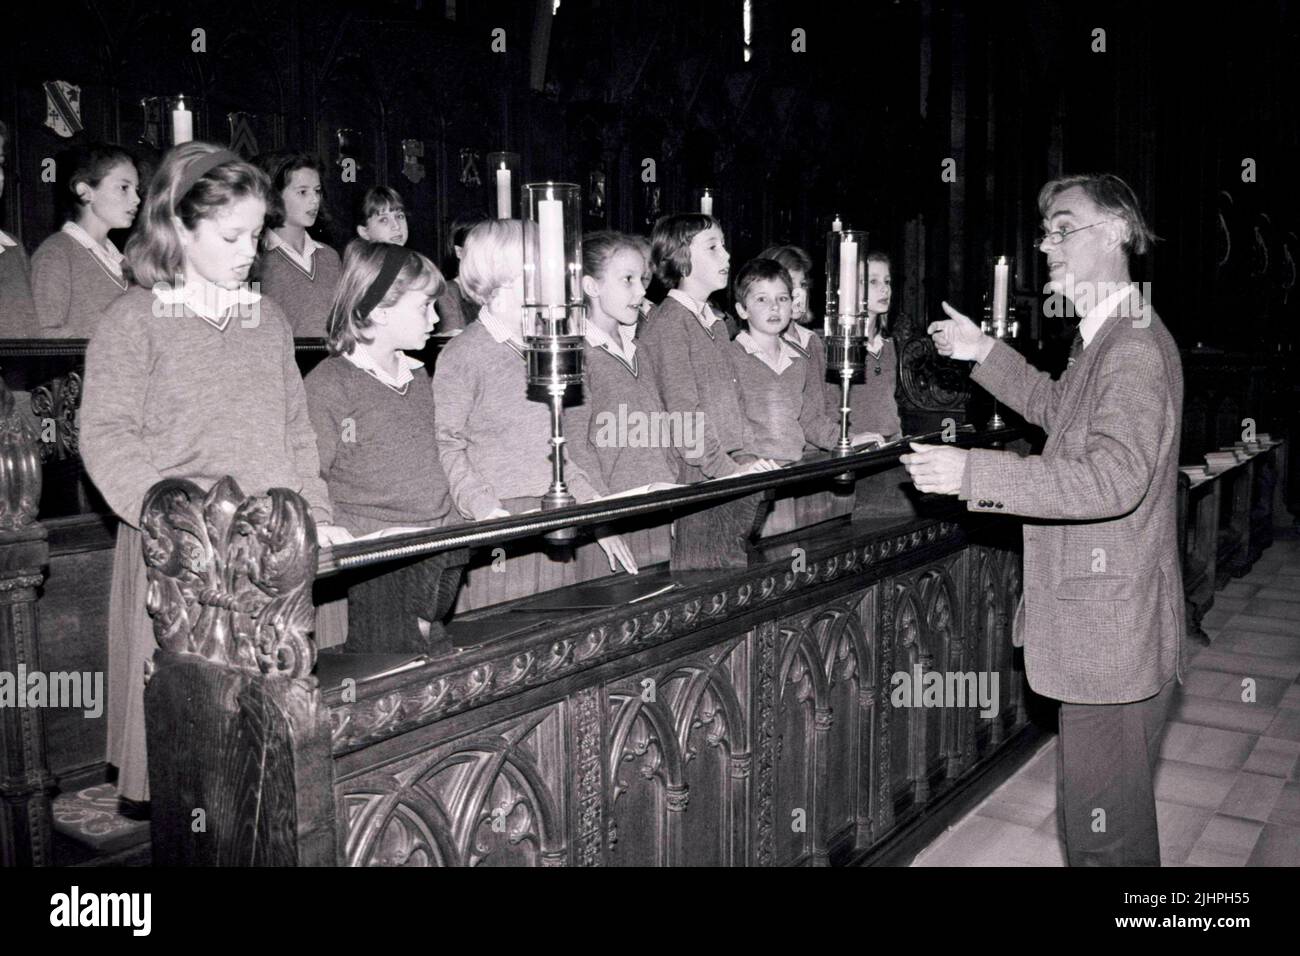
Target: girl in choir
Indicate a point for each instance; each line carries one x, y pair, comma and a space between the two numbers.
619, 435
455, 307
190, 375
493, 440
647, 274
298, 272
872, 403
78, 271
691, 351
383, 216
800, 332
17, 309
784, 405
371, 404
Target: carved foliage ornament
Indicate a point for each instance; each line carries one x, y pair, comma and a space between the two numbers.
230, 576
20, 467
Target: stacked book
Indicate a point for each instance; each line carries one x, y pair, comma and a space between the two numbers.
1217, 462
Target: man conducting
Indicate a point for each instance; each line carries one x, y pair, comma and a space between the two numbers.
1101, 617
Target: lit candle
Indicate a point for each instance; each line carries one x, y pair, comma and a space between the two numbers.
1001, 272
550, 223
848, 280
503, 192
182, 123
837, 226
706, 203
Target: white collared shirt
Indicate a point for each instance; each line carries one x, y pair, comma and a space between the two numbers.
801, 336
1102, 311
108, 254
699, 309
366, 362
784, 359
625, 348
302, 260
208, 301
500, 329
6, 240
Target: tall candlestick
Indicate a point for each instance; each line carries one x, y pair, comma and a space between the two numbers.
550, 224
1001, 271
848, 280
503, 192
706, 203
182, 123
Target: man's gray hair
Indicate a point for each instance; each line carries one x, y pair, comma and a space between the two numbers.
1114, 197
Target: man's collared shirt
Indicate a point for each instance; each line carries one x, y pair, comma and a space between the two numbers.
784, 359
302, 260
1103, 310
367, 363
108, 255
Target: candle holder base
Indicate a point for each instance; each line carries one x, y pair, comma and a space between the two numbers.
996, 421
559, 499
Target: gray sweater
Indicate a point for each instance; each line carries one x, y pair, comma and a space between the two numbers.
378, 448
305, 299
696, 376
785, 411
176, 397
17, 307
493, 440
872, 403
71, 288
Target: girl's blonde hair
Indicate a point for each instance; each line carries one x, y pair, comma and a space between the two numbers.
362, 262
494, 257
153, 253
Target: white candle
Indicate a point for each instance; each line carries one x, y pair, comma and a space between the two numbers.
182, 124
706, 203
1001, 272
837, 226
550, 223
848, 280
503, 192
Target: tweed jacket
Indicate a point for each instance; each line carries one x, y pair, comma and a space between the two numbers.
1101, 618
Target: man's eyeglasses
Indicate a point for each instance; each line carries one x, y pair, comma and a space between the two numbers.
1057, 236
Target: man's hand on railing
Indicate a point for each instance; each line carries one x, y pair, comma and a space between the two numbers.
615, 548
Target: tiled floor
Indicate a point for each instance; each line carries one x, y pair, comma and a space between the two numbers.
1228, 781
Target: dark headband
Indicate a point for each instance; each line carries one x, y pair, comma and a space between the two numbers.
394, 258
200, 168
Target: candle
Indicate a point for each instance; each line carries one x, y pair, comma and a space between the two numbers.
706, 203
503, 192
550, 223
182, 123
837, 226
1001, 272
848, 280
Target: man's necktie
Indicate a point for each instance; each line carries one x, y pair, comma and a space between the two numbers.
1076, 348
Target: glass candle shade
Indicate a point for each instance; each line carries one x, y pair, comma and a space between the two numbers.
503, 182
554, 318
846, 278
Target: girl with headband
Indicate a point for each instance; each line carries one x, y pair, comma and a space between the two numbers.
371, 404
188, 375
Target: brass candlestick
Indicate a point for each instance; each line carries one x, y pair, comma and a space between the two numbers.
845, 322
999, 314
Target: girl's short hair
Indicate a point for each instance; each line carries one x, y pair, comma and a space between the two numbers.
380, 199
494, 257
671, 244
153, 253
792, 257
599, 247
362, 262
87, 164
279, 168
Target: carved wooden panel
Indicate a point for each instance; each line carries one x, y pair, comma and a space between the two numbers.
492, 798
678, 762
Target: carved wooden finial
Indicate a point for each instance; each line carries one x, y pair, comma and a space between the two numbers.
20, 466
230, 576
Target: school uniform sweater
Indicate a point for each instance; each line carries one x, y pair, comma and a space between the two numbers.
175, 396
17, 307
694, 371
620, 434
71, 287
493, 440
305, 296
785, 409
813, 347
378, 447
872, 405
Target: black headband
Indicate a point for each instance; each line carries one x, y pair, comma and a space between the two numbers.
200, 168
395, 257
